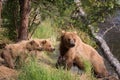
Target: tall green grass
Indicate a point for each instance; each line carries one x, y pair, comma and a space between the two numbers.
45, 30
89, 70
33, 71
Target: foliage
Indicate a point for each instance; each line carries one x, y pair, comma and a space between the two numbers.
97, 10
10, 18
54, 15
60, 11
88, 70
46, 30
33, 71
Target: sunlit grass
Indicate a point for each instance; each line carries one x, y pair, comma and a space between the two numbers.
33, 71
40, 71
45, 30
89, 74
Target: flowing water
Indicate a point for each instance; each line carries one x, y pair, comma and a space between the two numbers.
110, 30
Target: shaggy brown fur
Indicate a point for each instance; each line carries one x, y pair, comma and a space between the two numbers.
74, 51
21, 50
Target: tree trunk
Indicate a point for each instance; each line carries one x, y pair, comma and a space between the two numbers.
114, 62
0, 12
24, 14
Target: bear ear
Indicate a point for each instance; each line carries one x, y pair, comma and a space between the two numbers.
44, 41
63, 32
29, 45
32, 42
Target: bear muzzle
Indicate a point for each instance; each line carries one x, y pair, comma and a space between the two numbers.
72, 43
52, 49
49, 50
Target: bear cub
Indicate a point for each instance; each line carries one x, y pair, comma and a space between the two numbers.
22, 49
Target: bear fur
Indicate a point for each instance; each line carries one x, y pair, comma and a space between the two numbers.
74, 51
22, 49
46, 45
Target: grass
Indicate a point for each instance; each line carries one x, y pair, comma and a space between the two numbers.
88, 71
45, 30
44, 69
33, 71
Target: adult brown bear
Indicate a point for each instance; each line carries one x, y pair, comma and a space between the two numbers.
22, 49
74, 51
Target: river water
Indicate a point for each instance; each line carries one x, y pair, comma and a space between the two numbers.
110, 30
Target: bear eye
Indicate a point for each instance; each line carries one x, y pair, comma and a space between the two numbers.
74, 39
49, 45
68, 39
37, 45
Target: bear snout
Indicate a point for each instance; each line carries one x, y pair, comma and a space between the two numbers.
40, 49
72, 43
52, 49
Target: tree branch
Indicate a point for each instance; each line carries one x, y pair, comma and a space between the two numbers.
106, 31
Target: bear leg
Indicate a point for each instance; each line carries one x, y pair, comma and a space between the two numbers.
8, 59
68, 63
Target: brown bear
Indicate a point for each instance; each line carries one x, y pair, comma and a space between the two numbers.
21, 50
46, 44
74, 51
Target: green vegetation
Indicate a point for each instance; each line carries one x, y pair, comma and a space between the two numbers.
42, 71
45, 68
89, 71
60, 12
45, 30
33, 71
54, 16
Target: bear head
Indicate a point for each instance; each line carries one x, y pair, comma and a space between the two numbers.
68, 39
33, 45
47, 45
